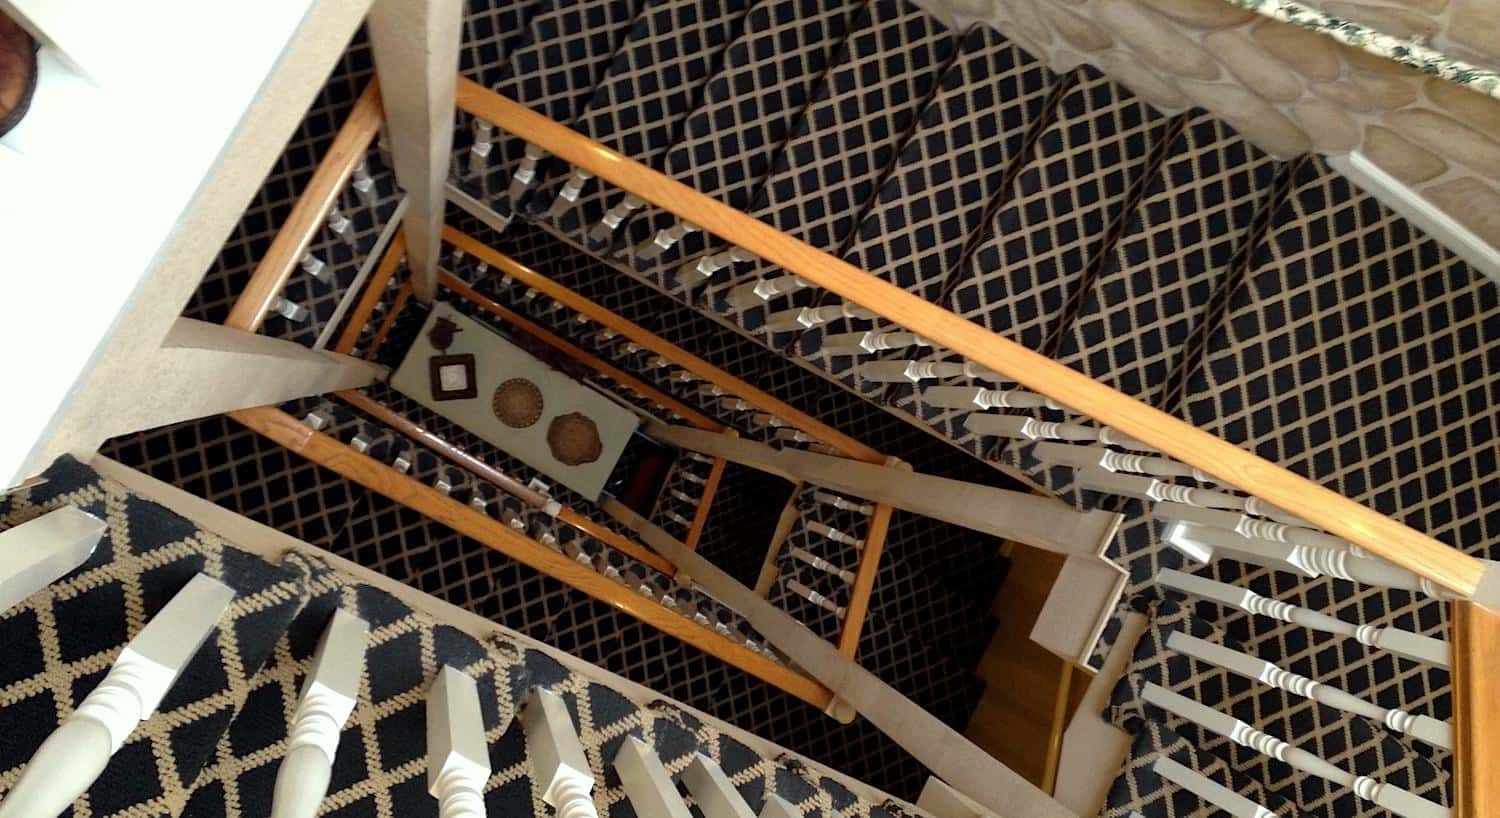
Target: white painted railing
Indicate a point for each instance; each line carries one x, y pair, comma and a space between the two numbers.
74, 755
1212, 792
559, 766
40, 551
458, 758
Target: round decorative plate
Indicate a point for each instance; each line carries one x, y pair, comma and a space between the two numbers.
574, 439
517, 403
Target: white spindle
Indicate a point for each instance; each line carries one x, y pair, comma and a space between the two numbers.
1212, 792
484, 145
1090, 457
364, 184
1425, 728
1411, 645
290, 310
791, 435
1248, 526
558, 762
328, 697
1018, 427
704, 267
1387, 796
571, 190
664, 239
778, 807
843, 503
800, 318
615, 216
525, 173
317, 268
1149, 488
764, 420
918, 371
866, 342
40, 551
684, 497
458, 758
74, 755
975, 397
816, 598
745, 296
828, 532
341, 225
712, 791
821, 564
646, 782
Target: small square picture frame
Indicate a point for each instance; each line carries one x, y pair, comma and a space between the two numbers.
437, 365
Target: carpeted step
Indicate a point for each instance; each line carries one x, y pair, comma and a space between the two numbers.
1051, 228
748, 110
836, 158
655, 81
62, 640
966, 146
1350, 742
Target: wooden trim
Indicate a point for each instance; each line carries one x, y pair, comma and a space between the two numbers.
769, 569
864, 579
296, 233
505, 482
700, 515
603, 367
1475, 638
374, 289
397, 305
1320, 506
1059, 726
382, 479
667, 350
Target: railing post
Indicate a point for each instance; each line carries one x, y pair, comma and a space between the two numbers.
416, 57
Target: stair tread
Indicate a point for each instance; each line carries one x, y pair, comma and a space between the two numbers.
1363, 355
952, 168
833, 163
1348, 741
493, 29
654, 82
73, 630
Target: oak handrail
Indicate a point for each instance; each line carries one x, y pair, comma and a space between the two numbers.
414, 494
864, 579
1324, 508
705, 503
294, 237
1475, 638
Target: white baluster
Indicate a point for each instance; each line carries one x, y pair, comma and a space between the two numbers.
557, 758
842, 503
526, 172
328, 697
315, 267
1248, 526
807, 317
710, 390
698, 269
364, 184
568, 195
1149, 488
712, 791
975, 397
74, 755
664, 240
766, 420
730, 404
615, 216
484, 145
1155, 467
40, 551
824, 530
1388, 796
754, 293
341, 225
1411, 645
458, 758
790, 435
821, 564
1018, 427
778, 807
918, 371
684, 497
1425, 728
816, 598
866, 342
1212, 792
646, 782
290, 310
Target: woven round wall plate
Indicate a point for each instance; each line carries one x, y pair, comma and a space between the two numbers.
517, 403
574, 439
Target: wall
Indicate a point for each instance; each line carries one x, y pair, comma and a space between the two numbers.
1286, 88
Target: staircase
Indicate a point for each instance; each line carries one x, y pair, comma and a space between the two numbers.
1263, 299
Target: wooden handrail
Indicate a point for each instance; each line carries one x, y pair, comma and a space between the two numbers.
864, 579
1297, 495
1475, 639
700, 514
679, 357
418, 496
296, 233
594, 362
510, 485
374, 290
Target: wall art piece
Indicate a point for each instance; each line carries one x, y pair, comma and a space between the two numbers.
574, 439
518, 403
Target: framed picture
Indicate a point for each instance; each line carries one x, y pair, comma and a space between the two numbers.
452, 377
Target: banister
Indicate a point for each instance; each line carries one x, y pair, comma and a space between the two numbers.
1475, 636
296, 233
1227, 462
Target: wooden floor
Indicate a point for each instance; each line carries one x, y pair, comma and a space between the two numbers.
1029, 693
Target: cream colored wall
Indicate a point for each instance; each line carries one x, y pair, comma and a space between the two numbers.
1287, 89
